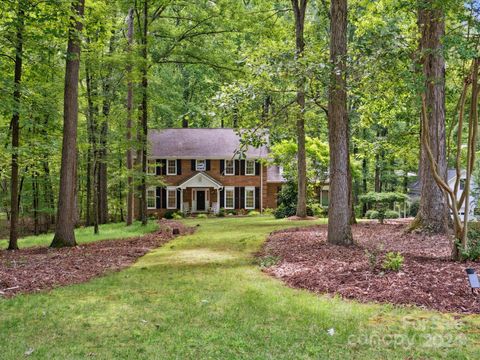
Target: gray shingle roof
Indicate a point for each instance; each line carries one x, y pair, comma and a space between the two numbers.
274, 175
199, 143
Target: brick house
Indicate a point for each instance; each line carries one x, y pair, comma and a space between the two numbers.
204, 173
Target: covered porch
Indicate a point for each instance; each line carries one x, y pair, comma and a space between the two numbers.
200, 194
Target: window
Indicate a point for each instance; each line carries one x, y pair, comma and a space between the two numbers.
171, 198
152, 167
201, 165
171, 167
229, 198
151, 198
249, 198
250, 167
229, 167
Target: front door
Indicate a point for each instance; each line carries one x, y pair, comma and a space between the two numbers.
200, 200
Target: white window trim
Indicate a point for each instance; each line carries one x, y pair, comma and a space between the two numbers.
154, 167
175, 161
155, 197
229, 188
249, 188
196, 164
172, 188
225, 170
253, 174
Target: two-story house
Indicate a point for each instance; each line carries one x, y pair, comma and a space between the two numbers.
204, 172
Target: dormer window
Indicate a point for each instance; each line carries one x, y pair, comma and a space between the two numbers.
201, 165
230, 167
171, 167
250, 167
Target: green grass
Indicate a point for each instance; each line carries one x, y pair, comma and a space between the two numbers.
85, 235
202, 297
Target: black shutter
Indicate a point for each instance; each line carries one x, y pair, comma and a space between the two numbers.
158, 167
164, 198
158, 197
208, 165
179, 167
222, 198
257, 198
164, 167
178, 198
222, 166
192, 164
257, 168
242, 198
242, 167
237, 167
237, 198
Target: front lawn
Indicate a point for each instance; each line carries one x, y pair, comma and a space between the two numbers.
203, 297
85, 234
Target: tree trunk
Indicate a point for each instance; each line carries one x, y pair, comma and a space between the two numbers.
144, 118
433, 212
35, 202
129, 121
299, 8
15, 126
339, 213
66, 215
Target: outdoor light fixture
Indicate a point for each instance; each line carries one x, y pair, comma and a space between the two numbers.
473, 279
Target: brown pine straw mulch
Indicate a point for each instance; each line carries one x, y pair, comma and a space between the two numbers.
428, 278
41, 268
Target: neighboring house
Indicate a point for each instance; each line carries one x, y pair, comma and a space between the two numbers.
414, 191
204, 173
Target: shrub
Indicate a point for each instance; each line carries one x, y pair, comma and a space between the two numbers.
393, 261
391, 214
372, 257
221, 213
169, 214
374, 214
414, 206
316, 210
178, 215
281, 212
231, 212
268, 211
368, 214
253, 213
472, 252
202, 216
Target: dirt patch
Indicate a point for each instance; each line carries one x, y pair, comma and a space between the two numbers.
428, 278
298, 218
40, 268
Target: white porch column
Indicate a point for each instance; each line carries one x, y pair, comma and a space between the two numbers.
181, 200
218, 200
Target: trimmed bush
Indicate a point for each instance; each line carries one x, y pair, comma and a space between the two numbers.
221, 213
374, 214
253, 213
391, 214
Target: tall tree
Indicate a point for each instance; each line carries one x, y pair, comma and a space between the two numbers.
66, 214
129, 119
339, 212
15, 126
433, 211
299, 9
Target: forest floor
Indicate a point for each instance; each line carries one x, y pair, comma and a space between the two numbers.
204, 296
427, 279
37, 268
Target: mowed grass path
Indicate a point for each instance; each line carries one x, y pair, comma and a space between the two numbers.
202, 297
85, 235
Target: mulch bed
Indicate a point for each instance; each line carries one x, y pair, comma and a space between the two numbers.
41, 268
427, 279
